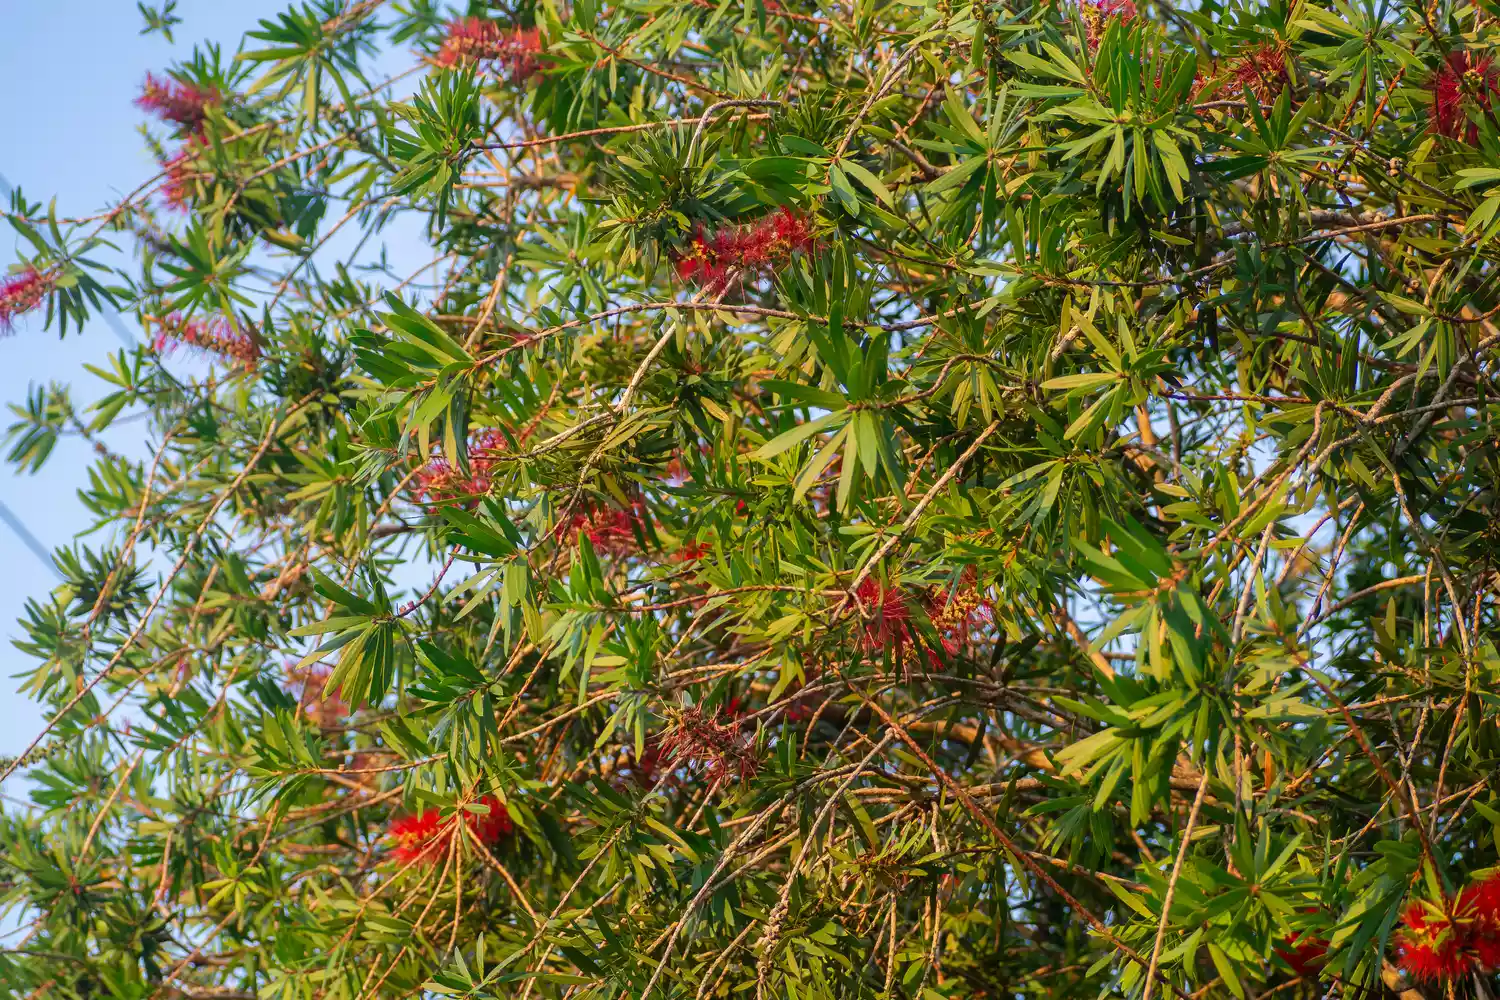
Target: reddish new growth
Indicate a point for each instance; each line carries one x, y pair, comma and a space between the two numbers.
1304, 953
22, 292
308, 683
726, 751
610, 530
1097, 14
211, 335
1262, 71
1462, 77
428, 835
716, 260
183, 104
440, 481
516, 52
1462, 936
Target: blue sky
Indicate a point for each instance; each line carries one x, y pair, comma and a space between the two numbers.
69, 71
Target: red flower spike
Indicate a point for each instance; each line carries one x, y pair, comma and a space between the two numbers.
1262, 71
962, 613
610, 530
426, 836
515, 53
1480, 904
693, 550
212, 335
1430, 947
721, 746
439, 481
1462, 77
413, 838
490, 826
714, 261
888, 622
469, 39
1305, 956
22, 292
1097, 14
182, 104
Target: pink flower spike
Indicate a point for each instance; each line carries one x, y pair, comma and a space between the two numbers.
182, 104
22, 292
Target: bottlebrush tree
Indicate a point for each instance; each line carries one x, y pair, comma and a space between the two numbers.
778, 499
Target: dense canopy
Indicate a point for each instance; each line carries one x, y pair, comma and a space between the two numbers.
780, 498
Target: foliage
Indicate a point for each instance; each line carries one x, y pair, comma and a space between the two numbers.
690, 499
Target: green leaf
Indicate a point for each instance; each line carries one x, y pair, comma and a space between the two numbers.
795, 436
869, 180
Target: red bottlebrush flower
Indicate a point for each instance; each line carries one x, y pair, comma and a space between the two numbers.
523, 59
428, 835
1483, 897
1462, 76
702, 264
211, 335
888, 623
610, 530
1480, 904
439, 481
693, 550
722, 747
183, 104
783, 233
1431, 945
1485, 944
714, 261
517, 52
469, 39
1097, 14
1304, 953
963, 612
493, 825
417, 838
1262, 71
22, 292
